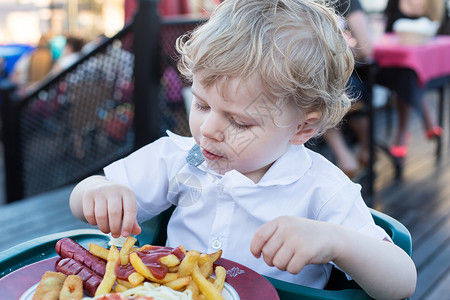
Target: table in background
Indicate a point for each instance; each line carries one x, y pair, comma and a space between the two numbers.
430, 62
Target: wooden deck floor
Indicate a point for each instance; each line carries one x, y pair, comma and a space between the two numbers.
421, 201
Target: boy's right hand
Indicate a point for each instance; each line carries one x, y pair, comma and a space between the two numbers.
110, 206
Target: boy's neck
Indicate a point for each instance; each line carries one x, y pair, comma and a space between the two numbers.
256, 176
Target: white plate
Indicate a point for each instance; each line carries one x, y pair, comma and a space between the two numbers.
228, 292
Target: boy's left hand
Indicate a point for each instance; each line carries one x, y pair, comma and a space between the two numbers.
289, 243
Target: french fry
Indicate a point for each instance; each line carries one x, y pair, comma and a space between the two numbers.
125, 283
120, 288
98, 251
205, 264
179, 283
221, 274
192, 286
142, 269
110, 275
126, 249
170, 260
188, 263
174, 269
207, 288
135, 278
146, 247
215, 256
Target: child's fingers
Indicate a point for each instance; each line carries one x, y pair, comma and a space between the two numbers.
115, 214
129, 215
283, 257
136, 229
260, 238
88, 210
101, 214
296, 263
270, 249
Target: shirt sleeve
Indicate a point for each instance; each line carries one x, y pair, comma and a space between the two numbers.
347, 208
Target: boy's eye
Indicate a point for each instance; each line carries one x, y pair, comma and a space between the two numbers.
200, 106
239, 126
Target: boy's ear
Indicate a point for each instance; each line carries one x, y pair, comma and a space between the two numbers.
306, 129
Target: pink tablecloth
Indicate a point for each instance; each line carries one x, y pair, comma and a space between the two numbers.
429, 61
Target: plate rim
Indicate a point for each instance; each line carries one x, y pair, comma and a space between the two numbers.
241, 289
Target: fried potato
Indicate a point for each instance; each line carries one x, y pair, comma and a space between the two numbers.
142, 269
135, 278
207, 288
221, 274
205, 264
118, 288
179, 283
50, 286
126, 250
170, 260
72, 288
192, 286
125, 283
188, 263
98, 251
109, 278
215, 256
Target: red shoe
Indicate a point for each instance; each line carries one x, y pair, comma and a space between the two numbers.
398, 151
435, 131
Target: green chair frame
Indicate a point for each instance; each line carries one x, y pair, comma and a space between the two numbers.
154, 233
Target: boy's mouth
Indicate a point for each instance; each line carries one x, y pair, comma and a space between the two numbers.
210, 156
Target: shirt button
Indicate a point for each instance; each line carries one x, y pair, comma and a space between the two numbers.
216, 244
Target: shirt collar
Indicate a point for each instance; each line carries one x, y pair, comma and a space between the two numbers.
288, 168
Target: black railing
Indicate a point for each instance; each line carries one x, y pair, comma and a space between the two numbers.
120, 96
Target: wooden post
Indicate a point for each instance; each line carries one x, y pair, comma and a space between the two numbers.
147, 74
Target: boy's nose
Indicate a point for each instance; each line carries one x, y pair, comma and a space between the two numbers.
213, 128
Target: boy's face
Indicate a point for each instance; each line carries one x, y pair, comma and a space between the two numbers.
239, 127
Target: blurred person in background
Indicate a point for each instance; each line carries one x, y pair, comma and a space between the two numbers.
33, 67
71, 53
403, 82
356, 26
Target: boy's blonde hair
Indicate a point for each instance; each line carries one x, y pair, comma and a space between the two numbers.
296, 47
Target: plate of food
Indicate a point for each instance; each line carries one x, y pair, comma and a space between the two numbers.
130, 271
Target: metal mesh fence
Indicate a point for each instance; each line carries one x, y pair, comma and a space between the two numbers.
84, 119
172, 101
80, 122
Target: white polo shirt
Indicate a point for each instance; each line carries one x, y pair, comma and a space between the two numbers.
223, 211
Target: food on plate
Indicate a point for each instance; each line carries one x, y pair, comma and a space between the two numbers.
126, 249
72, 288
109, 279
69, 266
50, 286
205, 286
147, 291
98, 251
116, 273
67, 247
